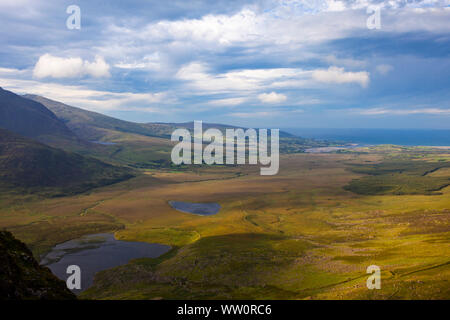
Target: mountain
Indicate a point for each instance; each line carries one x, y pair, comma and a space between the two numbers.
221, 127
31, 119
29, 165
93, 126
21, 276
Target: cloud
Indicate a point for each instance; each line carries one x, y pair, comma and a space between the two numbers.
149, 62
15, 3
346, 62
222, 29
220, 56
248, 27
258, 114
384, 111
338, 75
228, 101
94, 100
12, 71
56, 67
272, 97
384, 68
287, 23
266, 114
24, 9
199, 77
335, 5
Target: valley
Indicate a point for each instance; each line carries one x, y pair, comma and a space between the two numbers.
295, 235
309, 232
230, 158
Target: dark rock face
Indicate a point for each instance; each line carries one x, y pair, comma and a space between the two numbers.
21, 276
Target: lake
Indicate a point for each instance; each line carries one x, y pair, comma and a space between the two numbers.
203, 209
96, 252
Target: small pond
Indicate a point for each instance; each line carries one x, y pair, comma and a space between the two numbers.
96, 252
203, 209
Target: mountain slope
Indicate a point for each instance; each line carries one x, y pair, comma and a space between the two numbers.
94, 126
221, 127
32, 166
21, 276
31, 119
90, 125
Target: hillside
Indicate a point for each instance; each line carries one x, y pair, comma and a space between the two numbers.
33, 166
31, 119
221, 127
21, 276
93, 126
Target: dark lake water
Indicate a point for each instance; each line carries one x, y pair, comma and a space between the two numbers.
97, 252
204, 209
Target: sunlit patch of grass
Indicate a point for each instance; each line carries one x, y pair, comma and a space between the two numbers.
170, 236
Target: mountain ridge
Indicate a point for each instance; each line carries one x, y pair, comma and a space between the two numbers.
87, 124
74, 116
33, 120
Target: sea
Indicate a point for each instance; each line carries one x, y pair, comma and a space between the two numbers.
403, 137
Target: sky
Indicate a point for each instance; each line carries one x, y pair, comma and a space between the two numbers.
274, 64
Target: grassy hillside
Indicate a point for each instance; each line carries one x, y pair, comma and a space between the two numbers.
94, 126
21, 276
31, 119
402, 173
26, 165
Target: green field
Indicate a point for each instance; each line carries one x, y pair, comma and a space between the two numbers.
309, 232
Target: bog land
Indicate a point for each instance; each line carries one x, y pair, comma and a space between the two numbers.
309, 232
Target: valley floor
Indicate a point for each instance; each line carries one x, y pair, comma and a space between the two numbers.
297, 235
